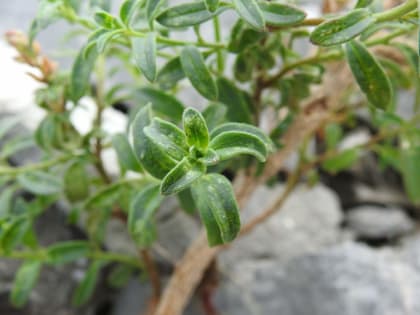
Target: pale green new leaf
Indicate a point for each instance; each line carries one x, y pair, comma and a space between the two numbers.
195, 129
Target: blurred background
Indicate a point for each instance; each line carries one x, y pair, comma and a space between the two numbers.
350, 245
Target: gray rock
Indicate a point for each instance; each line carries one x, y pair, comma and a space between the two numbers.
308, 221
133, 299
349, 279
176, 229
375, 222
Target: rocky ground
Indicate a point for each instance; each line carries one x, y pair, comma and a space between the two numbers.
349, 245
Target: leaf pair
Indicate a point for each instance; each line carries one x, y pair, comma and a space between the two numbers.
190, 168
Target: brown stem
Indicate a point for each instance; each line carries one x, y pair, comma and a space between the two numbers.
208, 286
154, 277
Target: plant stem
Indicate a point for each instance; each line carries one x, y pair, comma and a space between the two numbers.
153, 273
42, 255
14, 171
217, 37
332, 55
176, 42
396, 12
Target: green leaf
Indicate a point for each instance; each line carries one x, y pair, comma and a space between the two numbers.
86, 288
215, 200
231, 143
104, 5
103, 40
245, 63
214, 114
410, 169
186, 201
342, 29
40, 183
93, 41
96, 224
106, 20
152, 157
278, 14
195, 129
162, 102
127, 9
243, 37
212, 5
144, 52
195, 69
369, 75
48, 12
152, 7
237, 106
120, 275
25, 280
16, 145
247, 128
126, 157
182, 176
140, 217
398, 75
187, 14
250, 12
341, 161
80, 74
66, 252
14, 233
168, 137
6, 199
76, 182
363, 3
333, 134
170, 74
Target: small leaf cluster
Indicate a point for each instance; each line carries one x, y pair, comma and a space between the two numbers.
181, 159
255, 88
